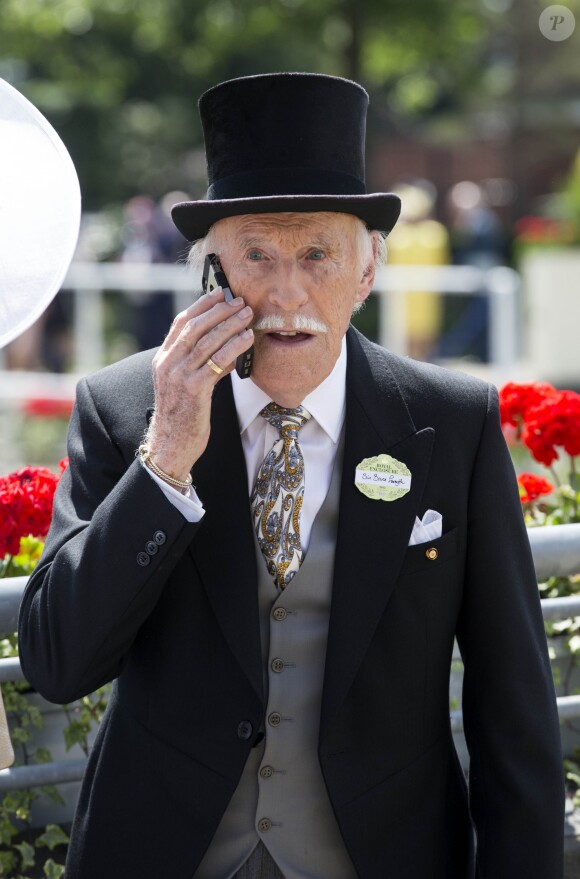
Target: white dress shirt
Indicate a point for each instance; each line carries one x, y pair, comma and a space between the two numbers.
318, 440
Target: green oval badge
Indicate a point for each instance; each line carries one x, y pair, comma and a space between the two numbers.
383, 478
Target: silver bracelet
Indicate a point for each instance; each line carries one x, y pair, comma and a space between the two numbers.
145, 454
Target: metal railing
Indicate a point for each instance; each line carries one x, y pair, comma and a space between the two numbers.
500, 284
556, 550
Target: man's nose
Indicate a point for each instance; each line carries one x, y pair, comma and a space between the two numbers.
288, 290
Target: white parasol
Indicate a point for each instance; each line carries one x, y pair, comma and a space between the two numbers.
40, 209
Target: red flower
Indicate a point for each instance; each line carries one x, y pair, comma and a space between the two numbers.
516, 398
48, 408
554, 421
26, 498
532, 487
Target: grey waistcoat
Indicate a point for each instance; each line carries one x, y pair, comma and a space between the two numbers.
281, 798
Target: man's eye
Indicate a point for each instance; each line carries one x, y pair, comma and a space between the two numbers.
316, 254
255, 255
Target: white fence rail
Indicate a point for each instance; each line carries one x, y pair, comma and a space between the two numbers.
90, 281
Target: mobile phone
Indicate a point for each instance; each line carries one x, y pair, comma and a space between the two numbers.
214, 276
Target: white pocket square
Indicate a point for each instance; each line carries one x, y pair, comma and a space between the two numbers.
428, 528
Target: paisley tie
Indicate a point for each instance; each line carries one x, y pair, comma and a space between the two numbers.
278, 492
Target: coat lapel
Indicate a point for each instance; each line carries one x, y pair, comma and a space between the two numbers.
372, 535
223, 549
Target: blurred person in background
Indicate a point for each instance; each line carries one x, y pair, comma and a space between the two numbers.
477, 240
47, 344
150, 236
419, 239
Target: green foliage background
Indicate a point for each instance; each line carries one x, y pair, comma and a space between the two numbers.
119, 79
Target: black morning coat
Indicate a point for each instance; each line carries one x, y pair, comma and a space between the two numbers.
180, 636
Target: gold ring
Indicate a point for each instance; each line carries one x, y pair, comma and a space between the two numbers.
217, 369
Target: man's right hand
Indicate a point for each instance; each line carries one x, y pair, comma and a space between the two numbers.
183, 382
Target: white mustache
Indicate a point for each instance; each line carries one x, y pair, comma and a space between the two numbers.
298, 322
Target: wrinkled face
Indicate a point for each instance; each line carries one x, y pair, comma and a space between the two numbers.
302, 274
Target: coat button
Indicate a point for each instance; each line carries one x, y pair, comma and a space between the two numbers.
266, 772
279, 614
151, 547
277, 665
159, 538
245, 730
264, 824
143, 559
274, 719
431, 553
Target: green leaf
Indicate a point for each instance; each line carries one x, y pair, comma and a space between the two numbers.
52, 870
74, 734
7, 863
27, 854
19, 735
42, 755
574, 777
52, 836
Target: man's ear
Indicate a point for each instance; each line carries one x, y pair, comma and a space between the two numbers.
367, 278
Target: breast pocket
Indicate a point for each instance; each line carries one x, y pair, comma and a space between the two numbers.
430, 555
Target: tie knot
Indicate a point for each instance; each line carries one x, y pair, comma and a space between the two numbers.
285, 420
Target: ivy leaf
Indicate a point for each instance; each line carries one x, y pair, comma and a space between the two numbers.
53, 835
7, 863
52, 870
20, 735
74, 734
42, 755
26, 853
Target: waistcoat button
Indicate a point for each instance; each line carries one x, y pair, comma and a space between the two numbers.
264, 824
266, 772
279, 614
277, 665
274, 719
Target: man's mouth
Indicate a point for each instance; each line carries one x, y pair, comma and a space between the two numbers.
288, 337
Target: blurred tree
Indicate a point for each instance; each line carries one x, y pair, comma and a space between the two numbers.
119, 79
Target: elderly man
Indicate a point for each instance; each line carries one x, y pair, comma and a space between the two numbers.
281, 631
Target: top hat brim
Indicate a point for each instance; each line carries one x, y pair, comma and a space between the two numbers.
379, 210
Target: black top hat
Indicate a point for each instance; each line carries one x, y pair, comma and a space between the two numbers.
285, 142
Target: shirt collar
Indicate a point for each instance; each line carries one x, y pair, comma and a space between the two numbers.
326, 403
